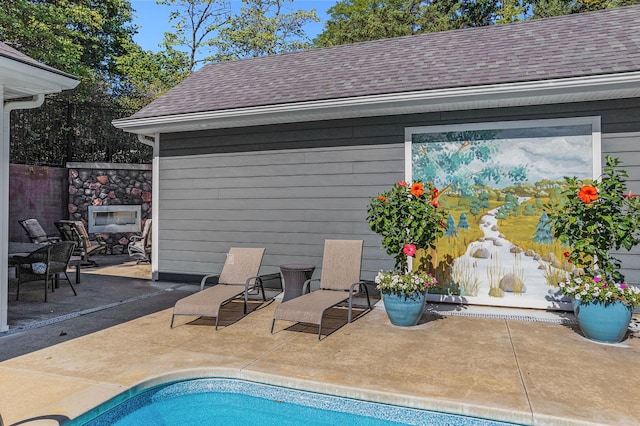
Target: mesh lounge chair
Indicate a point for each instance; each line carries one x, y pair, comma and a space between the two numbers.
36, 233
239, 277
44, 263
140, 246
340, 278
74, 230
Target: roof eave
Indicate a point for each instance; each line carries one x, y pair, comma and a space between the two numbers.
576, 89
24, 79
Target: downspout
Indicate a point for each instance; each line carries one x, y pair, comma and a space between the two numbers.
5, 134
155, 199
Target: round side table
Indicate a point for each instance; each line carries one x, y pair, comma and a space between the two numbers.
293, 276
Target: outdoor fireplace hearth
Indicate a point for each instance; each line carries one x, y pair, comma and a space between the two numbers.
114, 219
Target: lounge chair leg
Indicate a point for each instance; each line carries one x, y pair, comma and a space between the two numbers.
273, 324
172, 318
217, 320
320, 330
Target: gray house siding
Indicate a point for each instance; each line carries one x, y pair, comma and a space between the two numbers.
289, 187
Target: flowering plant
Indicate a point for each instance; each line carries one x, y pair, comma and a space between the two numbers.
596, 289
408, 217
596, 219
408, 283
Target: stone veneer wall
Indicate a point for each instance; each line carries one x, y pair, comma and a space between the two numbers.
106, 184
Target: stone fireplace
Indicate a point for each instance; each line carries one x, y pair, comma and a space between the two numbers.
113, 200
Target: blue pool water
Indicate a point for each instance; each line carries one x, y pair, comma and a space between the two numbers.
237, 402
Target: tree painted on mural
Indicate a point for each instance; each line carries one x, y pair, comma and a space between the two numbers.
451, 230
543, 234
463, 223
460, 162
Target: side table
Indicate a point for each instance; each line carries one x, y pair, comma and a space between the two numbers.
293, 276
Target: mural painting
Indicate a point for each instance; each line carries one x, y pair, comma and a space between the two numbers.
495, 180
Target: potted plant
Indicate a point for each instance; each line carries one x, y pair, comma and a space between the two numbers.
409, 218
595, 219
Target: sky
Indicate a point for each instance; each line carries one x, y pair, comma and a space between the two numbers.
153, 19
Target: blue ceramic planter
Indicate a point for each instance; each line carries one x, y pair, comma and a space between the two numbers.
404, 311
603, 322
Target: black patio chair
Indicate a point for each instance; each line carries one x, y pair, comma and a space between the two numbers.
74, 231
36, 232
45, 263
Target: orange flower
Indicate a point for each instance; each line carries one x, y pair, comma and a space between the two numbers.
417, 189
588, 194
382, 198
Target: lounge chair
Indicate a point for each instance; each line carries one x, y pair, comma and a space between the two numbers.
74, 230
340, 279
239, 277
45, 263
139, 246
36, 233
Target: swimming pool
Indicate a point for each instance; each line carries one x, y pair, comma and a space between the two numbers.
217, 401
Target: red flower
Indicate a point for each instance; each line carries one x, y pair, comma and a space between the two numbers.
409, 249
435, 194
566, 254
630, 195
588, 194
417, 189
401, 183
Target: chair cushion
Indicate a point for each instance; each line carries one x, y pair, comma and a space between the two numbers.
39, 268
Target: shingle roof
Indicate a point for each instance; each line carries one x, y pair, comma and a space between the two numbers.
596, 43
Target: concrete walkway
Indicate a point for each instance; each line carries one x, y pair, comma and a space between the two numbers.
528, 372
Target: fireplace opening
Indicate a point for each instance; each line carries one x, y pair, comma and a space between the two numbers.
112, 219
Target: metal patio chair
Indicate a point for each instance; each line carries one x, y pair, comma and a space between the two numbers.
74, 231
45, 263
36, 232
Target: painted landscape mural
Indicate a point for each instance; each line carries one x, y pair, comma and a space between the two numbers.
498, 247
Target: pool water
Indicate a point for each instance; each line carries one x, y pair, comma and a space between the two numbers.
237, 402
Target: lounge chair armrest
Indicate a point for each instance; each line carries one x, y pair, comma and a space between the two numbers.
255, 280
306, 287
205, 278
359, 284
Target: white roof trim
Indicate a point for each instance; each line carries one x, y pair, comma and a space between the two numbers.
21, 79
612, 86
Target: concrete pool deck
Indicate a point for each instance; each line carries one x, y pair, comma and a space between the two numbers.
529, 372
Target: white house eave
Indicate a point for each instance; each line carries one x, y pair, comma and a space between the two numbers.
579, 89
21, 79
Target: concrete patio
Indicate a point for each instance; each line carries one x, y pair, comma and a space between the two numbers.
512, 365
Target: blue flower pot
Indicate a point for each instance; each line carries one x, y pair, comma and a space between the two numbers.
403, 310
603, 322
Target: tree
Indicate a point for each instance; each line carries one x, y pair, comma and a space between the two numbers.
84, 38
150, 74
361, 20
544, 233
263, 27
463, 223
451, 230
196, 25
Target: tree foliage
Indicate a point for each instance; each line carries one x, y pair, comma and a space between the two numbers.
265, 27
196, 25
84, 38
352, 21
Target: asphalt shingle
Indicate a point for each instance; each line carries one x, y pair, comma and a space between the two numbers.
596, 43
